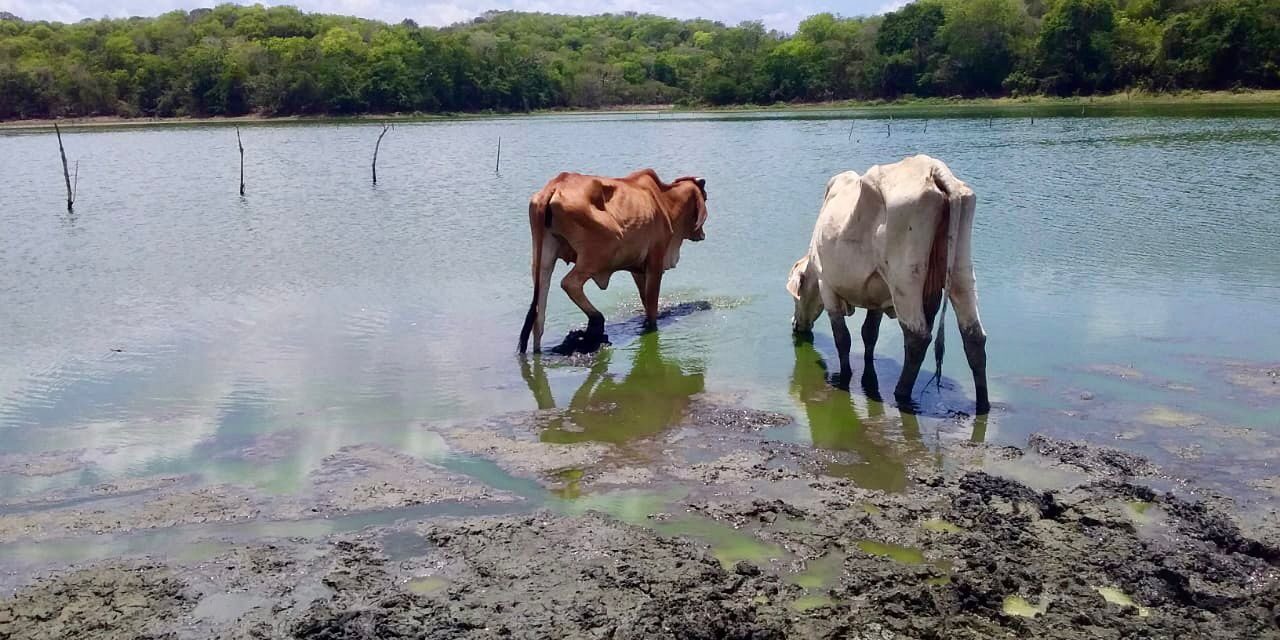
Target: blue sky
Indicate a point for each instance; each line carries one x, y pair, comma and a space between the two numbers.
777, 14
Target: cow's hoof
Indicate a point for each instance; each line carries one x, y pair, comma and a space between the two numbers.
906, 404
579, 341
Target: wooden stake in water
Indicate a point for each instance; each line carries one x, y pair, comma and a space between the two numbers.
851, 125
888, 129
385, 127
66, 175
498, 161
926, 125
241, 145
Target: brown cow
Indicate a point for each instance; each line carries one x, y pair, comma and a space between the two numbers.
604, 225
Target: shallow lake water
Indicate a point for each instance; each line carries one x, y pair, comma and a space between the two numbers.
1123, 260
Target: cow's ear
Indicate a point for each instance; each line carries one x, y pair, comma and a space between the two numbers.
796, 280
702, 183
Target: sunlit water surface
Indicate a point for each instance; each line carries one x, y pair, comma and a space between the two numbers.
168, 322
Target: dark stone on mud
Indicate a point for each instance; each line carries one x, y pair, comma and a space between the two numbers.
705, 414
1093, 459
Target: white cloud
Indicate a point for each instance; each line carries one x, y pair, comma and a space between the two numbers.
776, 14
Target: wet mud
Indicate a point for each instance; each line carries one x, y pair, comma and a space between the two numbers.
706, 527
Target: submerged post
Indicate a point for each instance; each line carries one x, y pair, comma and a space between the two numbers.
241, 145
888, 129
385, 127
66, 175
498, 160
926, 125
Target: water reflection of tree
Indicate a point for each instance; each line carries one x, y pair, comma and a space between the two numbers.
835, 424
652, 397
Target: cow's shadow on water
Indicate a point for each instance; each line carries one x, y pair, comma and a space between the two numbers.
579, 341
650, 398
942, 397
858, 421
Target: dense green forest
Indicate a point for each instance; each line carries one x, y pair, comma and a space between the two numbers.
233, 60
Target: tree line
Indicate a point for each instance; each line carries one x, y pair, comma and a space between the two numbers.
234, 60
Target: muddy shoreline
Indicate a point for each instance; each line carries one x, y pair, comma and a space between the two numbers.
709, 529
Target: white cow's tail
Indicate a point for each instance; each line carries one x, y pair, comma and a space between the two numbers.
952, 213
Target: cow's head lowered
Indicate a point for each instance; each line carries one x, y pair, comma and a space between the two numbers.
690, 199
803, 285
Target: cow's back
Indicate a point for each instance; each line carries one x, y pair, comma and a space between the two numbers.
845, 242
616, 220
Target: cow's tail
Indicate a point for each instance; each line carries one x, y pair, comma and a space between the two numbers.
942, 255
539, 225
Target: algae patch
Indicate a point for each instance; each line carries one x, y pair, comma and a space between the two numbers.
819, 572
1018, 606
1117, 597
426, 584
938, 525
905, 555
811, 602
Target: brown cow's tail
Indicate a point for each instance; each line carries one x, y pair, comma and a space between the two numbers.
539, 223
942, 254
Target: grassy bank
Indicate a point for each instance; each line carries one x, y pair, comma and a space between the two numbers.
1047, 106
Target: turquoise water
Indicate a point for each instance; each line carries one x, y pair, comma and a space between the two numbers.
168, 323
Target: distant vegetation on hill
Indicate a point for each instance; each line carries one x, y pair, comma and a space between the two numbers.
234, 60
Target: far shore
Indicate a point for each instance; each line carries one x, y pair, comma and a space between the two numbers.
874, 108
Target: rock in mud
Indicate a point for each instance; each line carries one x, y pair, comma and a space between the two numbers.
521, 453
1092, 459
369, 477
110, 603
46, 463
221, 503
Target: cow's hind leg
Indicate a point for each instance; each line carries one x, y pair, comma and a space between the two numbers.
917, 325
844, 341
965, 302
543, 272
572, 285
870, 334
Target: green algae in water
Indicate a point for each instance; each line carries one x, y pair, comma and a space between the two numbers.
633, 507
1118, 597
572, 479
811, 602
938, 525
1141, 512
1018, 606
905, 555
728, 545
426, 584
819, 572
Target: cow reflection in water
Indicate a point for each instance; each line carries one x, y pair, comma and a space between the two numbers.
835, 424
652, 397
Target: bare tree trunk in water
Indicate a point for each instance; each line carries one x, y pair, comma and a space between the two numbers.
385, 127
66, 175
241, 145
498, 161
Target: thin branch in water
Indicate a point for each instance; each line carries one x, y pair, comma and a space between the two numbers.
75, 183
241, 145
851, 126
926, 125
385, 128
66, 176
497, 162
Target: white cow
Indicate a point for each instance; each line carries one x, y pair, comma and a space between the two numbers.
891, 241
